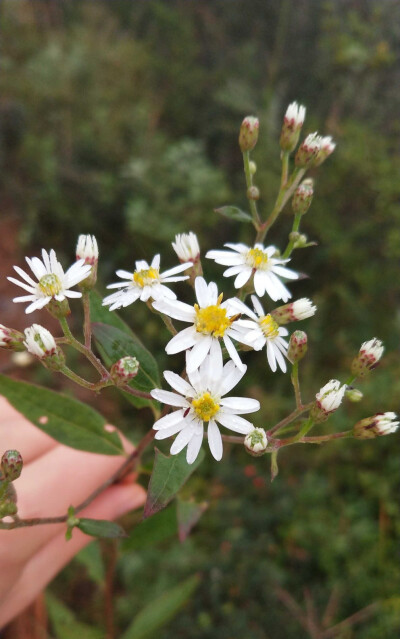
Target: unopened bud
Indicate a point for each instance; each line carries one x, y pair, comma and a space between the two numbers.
301, 241
248, 135
297, 346
376, 426
307, 151
367, 358
124, 370
253, 193
187, 248
292, 123
302, 197
328, 399
11, 465
353, 394
256, 442
252, 167
295, 311
11, 339
40, 343
87, 250
327, 147
58, 309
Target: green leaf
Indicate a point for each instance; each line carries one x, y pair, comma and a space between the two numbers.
189, 513
100, 528
161, 610
151, 531
65, 419
91, 558
233, 213
113, 344
169, 475
64, 623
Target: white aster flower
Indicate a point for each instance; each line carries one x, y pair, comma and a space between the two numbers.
211, 321
295, 114
39, 341
294, 312
258, 261
376, 426
87, 249
144, 283
186, 246
330, 396
367, 358
201, 399
52, 283
262, 330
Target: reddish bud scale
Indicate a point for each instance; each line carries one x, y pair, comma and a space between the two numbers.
11, 465
11, 339
284, 314
363, 364
248, 134
124, 370
290, 134
302, 197
306, 153
297, 346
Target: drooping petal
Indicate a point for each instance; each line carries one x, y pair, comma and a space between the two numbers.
214, 440
194, 446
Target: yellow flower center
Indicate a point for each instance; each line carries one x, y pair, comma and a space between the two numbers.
256, 258
50, 284
146, 277
212, 320
269, 327
205, 407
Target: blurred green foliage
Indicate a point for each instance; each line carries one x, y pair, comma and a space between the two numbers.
121, 119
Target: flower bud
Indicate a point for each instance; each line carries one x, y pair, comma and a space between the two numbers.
124, 370
58, 309
256, 442
367, 358
302, 197
40, 343
328, 400
11, 339
292, 123
187, 248
294, 312
252, 167
376, 426
353, 394
301, 241
11, 465
248, 135
297, 346
253, 193
327, 147
87, 250
308, 150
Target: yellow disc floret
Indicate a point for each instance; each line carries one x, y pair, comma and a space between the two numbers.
50, 284
205, 407
256, 258
212, 320
269, 327
146, 277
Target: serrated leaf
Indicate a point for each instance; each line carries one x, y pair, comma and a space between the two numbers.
100, 528
189, 513
161, 610
112, 344
168, 476
67, 420
234, 213
151, 531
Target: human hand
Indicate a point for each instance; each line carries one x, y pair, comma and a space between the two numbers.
53, 478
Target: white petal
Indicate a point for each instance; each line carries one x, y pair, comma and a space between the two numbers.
201, 292
230, 378
169, 420
243, 277
285, 272
199, 352
280, 288
212, 293
36, 266
260, 282
169, 431
68, 293
177, 383
271, 356
182, 341
37, 305
175, 270
240, 405
257, 306
166, 397
226, 258
183, 439
235, 423
233, 353
26, 287
194, 446
177, 310
25, 276
233, 270
280, 359
214, 440
125, 275
240, 248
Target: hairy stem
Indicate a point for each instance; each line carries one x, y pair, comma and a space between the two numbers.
249, 184
72, 341
296, 384
87, 328
295, 228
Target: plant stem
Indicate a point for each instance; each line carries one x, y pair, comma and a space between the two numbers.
249, 184
87, 328
136, 392
296, 384
290, 418
291, 243
96, 386
72, 341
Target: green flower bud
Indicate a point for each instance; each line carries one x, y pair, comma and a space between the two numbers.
302, 197
58, 309
124, 370
297, 346
248, 135
353, 394
11, 339
256, 442
11, 465
252, 167
253, 193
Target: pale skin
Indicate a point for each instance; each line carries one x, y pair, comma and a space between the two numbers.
54, 477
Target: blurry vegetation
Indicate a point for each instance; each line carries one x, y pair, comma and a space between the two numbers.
121, 118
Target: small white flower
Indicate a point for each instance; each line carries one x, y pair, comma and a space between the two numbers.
87, 249
294, 312
256, 441
262, 330
372, 350
327, 147
201, 399
211, 321
376, 426
39, 341
385, 423
295, 114
186, 246
258, 261
52, 283
146, 282
330, 396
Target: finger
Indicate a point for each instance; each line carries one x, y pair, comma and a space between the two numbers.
17, 432
43, 566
